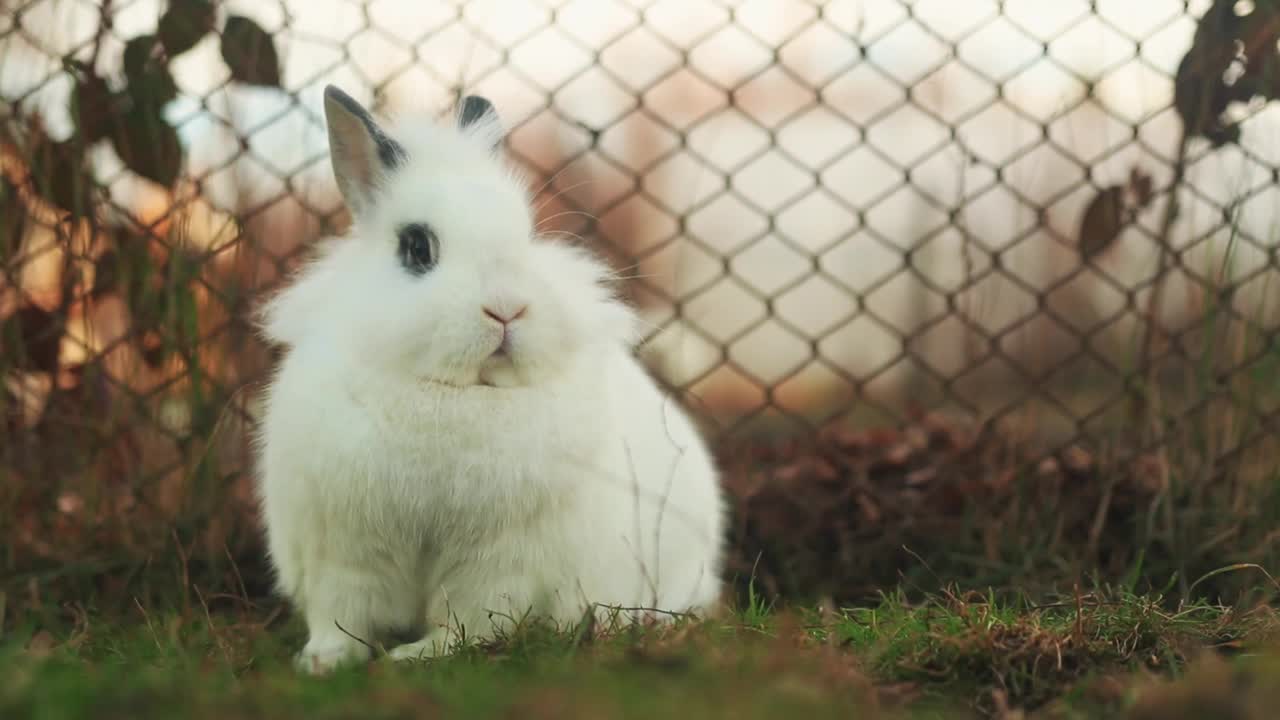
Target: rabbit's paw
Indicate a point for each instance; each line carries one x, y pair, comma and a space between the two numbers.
320, 659
437, 643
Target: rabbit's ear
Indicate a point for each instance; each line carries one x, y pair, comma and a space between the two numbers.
362, 154
479, 112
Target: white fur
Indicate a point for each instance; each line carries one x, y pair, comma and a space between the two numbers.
409, 480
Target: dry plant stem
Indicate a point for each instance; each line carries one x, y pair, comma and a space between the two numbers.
1152, 332
1148, 409
1100, 516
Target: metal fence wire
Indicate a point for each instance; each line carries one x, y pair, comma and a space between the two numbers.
1054, 215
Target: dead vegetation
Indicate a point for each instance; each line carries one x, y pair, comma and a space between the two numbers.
854, 511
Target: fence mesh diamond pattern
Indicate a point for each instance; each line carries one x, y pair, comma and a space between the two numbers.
1054, 214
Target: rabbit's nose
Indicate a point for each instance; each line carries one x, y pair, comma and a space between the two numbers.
508, 316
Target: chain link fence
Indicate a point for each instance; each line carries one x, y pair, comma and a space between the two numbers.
1055, 216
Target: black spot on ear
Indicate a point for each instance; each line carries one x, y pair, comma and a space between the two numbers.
390, 152
474, 108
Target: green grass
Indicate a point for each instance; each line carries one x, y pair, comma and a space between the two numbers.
952, 655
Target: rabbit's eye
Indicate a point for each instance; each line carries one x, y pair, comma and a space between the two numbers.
417, 248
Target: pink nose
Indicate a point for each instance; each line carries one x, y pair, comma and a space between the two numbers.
508, 317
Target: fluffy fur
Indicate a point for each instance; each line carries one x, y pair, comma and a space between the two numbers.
412, 480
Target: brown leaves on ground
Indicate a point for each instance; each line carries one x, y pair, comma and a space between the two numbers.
845, 513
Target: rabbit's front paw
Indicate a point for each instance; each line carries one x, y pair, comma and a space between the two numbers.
317, 659
436, 644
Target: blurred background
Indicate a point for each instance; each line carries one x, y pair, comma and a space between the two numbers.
903, 257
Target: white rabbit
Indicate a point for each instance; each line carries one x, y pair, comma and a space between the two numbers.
459, 435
